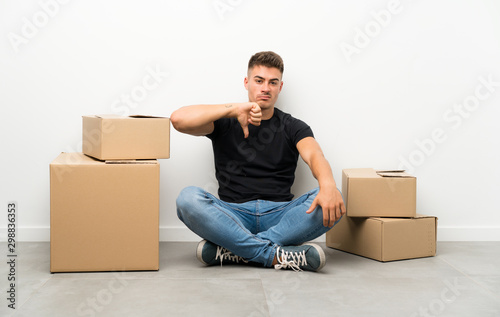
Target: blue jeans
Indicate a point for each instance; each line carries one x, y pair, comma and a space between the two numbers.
254, 229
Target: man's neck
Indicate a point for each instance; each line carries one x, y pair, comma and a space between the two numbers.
267, 113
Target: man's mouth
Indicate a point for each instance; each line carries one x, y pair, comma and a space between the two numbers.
264, 97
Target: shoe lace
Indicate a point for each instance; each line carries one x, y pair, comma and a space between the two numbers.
225, 254
293, 260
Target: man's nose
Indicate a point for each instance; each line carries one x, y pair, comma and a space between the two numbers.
265, 87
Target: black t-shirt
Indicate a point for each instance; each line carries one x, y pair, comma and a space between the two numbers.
261, 166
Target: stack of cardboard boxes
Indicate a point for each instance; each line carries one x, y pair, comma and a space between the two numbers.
104, 202
381, 220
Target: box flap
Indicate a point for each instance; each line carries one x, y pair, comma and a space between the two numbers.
424, 216
394, 173
395, 219
131, 162
145, 116
389, 171
77, 158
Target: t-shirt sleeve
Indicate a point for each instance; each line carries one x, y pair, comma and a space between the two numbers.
299, 130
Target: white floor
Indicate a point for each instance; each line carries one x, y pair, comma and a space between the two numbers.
462, 280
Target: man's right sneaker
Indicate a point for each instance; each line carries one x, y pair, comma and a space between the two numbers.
211, 254
308, 256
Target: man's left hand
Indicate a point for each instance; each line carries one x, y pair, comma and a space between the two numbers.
332, 204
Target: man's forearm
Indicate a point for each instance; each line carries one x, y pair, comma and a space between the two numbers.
198, 119
322, 172
312, 154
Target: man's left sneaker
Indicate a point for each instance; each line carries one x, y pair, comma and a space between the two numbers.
211, 254
308, 256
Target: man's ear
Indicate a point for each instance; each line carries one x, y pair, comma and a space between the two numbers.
245, 82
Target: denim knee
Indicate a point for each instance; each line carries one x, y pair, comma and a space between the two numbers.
314, 192
186, 201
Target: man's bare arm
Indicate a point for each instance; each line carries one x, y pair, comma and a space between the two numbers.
199, 119
329, 198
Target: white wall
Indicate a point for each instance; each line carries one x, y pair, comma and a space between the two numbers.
373, 78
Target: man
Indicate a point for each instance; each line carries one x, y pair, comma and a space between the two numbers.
256, 147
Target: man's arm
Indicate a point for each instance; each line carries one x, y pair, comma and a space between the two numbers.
329, 198
199, 119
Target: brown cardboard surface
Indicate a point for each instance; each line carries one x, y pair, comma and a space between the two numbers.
385, 239
111, 137
368, 193
103, 217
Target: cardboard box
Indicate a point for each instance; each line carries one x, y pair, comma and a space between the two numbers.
112, 137
104, 216
370, 193
385, 239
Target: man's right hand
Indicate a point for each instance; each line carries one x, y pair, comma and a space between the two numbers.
249, 113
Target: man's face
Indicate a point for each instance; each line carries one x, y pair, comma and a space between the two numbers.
264, 85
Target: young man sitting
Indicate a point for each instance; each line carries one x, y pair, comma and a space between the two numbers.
256, 148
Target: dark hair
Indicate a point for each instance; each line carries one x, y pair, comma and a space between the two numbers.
268, 59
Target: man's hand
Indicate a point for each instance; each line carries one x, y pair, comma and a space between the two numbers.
329, 197
332, 204
249, 113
